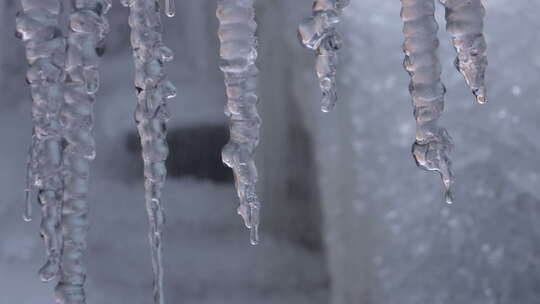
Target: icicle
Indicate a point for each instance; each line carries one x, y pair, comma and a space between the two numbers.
319, 33
433, 143
151, 116
88, 28
465, 22
38, 27
239, 53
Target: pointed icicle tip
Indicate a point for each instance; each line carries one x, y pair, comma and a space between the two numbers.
254, 235
27, 214
480, 95
249, 211
170, 8
319, 33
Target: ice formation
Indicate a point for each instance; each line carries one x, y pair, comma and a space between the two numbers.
238, 51
38, 27
170, 8
433, 143
319, 34
465, 22
151, 116
85, 44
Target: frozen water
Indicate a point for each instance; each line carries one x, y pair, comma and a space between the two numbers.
319, 33
170, 8
238, 50
433, 143
386, 238
85, 44
465, 22
151, 115
38, 27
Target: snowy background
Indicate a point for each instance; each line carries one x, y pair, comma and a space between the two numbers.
347, 217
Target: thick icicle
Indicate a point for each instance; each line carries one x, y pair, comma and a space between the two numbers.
151, 116
433, 143
38, 27
170, 8
88, 28
465, 22
238, 51
319, 33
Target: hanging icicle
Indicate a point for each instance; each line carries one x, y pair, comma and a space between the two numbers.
151, 116
433, 143
38, 27
238, 51
465, 22
88, 28
319, 34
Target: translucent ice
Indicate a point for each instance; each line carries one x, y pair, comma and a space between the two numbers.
151, 116
238, 52
319, 34
465, 22
38, 27
87, 30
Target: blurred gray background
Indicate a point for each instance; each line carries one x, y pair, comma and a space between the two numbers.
347, 217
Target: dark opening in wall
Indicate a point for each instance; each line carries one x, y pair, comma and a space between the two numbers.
193, 151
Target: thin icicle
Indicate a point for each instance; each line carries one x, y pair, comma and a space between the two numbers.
465, 22
88, 28
433, 143
38, 27
31, 168
238, 51
151, 116
319, 34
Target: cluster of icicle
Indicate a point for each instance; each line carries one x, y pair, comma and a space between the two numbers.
319, 34
238, 51
63, 76
465, 23
151, 116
